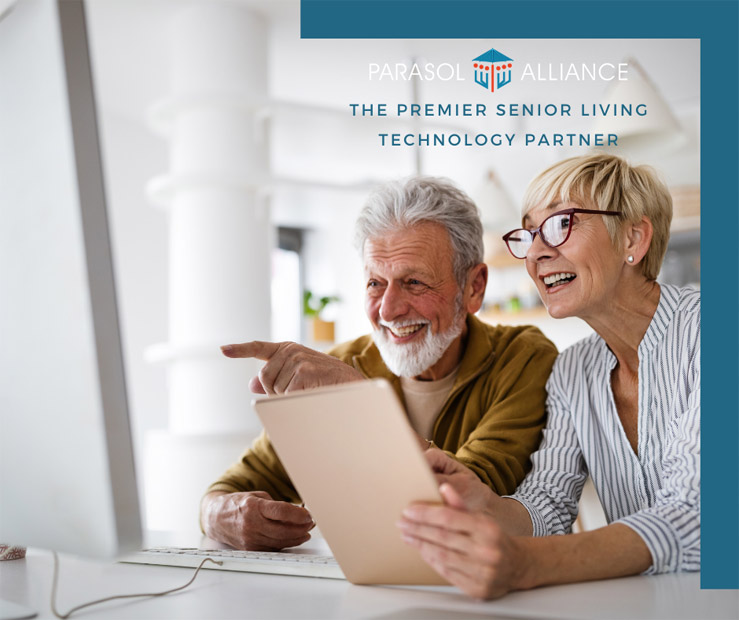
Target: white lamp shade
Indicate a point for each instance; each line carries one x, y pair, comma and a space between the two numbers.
657, 128
497, 209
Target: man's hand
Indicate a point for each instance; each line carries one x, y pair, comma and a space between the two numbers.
475, 495
254, 521
291, 367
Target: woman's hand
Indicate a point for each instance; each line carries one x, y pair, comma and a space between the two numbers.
475, 495
468, 549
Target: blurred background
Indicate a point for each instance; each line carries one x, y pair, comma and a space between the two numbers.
235, 172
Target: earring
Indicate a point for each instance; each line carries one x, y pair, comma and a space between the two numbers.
630, 259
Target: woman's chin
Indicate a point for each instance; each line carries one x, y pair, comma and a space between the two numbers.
558, 311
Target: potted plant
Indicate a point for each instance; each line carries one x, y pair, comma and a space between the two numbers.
323, 331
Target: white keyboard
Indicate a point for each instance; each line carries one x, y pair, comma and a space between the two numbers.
277, 563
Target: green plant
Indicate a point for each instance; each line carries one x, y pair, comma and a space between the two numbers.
313, 307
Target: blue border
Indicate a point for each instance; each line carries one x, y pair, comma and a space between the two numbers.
715, 23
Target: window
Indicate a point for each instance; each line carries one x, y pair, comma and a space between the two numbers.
287, 285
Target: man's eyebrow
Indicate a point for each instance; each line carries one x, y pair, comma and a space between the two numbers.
403, 273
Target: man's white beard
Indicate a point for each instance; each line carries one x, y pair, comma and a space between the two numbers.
412, 358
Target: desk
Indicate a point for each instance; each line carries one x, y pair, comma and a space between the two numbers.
222, 594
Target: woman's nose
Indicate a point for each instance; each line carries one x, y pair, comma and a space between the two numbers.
539, 250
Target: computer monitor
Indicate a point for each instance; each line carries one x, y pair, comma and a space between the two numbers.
67, 478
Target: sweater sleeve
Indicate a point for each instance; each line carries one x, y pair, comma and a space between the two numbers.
499, 446
259, 469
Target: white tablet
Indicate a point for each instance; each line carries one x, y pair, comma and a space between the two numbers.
355, 460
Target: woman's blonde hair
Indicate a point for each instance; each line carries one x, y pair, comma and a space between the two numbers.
607, 182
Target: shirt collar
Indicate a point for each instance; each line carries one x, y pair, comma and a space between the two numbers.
668, 301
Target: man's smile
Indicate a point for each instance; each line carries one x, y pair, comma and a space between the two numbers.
404, 333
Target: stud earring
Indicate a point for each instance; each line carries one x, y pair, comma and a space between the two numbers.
630, 259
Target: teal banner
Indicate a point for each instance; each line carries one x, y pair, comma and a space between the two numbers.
715, 24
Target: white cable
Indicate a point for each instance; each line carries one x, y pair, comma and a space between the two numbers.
110, 598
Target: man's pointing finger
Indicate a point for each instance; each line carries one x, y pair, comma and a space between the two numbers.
259, 349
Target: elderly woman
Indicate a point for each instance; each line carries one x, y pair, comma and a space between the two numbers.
623, 404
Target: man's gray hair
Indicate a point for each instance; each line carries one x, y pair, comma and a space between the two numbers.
406, 203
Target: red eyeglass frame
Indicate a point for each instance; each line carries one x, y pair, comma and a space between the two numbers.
534, 231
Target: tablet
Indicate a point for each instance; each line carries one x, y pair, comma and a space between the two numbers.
355, 461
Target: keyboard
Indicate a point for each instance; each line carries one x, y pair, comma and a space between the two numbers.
272, 562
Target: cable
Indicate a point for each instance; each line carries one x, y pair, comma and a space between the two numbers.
110, 598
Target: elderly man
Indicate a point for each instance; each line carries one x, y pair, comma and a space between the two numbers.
473, 389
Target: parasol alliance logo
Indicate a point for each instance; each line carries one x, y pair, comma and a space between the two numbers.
492, 70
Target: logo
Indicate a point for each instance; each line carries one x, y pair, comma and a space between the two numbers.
492, 70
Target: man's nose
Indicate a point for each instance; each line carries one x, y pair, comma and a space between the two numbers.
394, 303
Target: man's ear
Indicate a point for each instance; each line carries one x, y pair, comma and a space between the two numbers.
637, 238
474, 292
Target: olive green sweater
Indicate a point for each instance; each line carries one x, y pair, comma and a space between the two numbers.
491, 420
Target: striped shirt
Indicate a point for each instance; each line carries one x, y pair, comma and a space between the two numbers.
655, 493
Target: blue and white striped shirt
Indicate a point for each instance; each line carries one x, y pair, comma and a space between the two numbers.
656, 493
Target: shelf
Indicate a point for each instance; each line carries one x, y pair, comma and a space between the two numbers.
503, 261
528, 315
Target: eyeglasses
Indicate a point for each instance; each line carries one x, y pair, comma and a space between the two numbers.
553, 231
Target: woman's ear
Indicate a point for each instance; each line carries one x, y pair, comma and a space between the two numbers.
474, 292
636, 240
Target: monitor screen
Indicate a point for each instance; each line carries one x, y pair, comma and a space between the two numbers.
67, 478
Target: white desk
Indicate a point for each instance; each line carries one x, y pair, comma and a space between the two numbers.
222, 594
